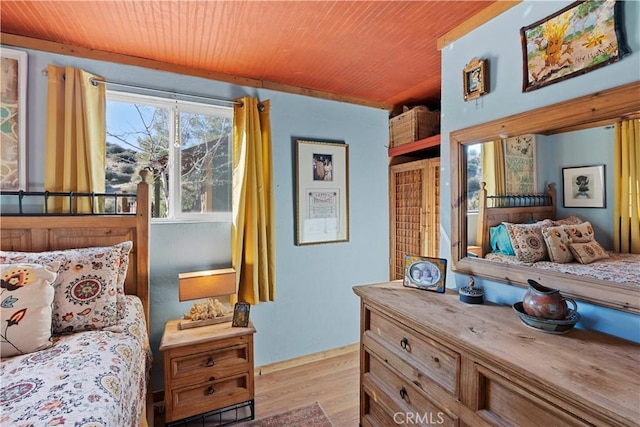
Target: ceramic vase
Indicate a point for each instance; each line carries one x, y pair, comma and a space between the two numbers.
546, 303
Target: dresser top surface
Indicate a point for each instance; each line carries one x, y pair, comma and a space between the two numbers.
596, 368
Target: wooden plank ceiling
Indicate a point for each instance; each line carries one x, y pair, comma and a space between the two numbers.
379, 52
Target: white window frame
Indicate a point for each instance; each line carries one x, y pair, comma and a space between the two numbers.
174, 212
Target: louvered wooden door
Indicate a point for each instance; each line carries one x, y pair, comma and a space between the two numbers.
415, 212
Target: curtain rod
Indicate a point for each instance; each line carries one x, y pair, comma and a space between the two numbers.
95, 82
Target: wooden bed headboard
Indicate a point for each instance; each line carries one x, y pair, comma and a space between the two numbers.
47, 232
494, 210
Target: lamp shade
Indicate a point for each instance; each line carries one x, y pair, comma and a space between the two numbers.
206, 284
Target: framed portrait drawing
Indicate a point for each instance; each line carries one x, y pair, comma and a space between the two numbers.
475, 79
584, 187
13, 142
579, 38
425, 273
322, 192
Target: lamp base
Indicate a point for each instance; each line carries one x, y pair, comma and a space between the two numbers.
188, 323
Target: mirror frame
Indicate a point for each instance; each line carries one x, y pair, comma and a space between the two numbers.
597, 109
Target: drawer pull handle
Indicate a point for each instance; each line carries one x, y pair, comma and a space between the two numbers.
210, 361
404, 343
210, 390
403, 393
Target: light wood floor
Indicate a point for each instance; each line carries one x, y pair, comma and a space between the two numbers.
332, 382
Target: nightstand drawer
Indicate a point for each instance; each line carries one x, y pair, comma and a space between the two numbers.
210, 361
211, 395
424, 359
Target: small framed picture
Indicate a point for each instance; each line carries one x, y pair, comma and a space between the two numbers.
475, 79
425, 273
584, 187
241, 315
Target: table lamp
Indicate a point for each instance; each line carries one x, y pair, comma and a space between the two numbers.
206, 284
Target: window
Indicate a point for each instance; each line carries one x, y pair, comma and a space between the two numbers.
185, 145
474, 175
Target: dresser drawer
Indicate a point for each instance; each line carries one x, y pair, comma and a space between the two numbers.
502, 402
210, 361
425, 358
399, 399
210, 395
375, 416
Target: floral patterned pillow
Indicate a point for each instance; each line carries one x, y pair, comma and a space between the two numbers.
26, 296
527, 240
588, 252
581, 233
558, 240
89, 289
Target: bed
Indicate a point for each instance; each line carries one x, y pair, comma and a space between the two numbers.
94, 369
526, 212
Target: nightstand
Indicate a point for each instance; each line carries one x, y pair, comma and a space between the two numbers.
206, 369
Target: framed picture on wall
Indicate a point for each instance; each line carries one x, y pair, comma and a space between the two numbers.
475, 79
322, 192
584, 187
13, 127
579, 38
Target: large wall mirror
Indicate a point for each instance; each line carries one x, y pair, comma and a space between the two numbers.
588, 112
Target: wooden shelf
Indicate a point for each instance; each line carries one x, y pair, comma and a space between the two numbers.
432, 141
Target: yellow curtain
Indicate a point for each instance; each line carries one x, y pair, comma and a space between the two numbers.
75, 137
493, 167
253, 238
626, 212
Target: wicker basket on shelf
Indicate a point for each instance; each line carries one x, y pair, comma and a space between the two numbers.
413, 125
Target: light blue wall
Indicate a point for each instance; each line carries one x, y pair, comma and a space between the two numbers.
499, 42
581, 148
315, 308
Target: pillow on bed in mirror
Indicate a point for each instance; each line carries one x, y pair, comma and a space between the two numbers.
527, 240
25, 305
558, 240
588, 252
581, 233
570, 220
89, 289
499, 239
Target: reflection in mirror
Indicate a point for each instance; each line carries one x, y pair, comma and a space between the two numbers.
540, 143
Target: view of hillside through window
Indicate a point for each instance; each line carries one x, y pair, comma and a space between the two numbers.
474, 175
185, 146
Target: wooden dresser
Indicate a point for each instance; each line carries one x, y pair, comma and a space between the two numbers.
206, 368
429, 359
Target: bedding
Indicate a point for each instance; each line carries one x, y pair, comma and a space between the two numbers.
89, 288
94, 378
618, 268
26, 296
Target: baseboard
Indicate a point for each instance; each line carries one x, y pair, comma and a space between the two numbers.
303, 360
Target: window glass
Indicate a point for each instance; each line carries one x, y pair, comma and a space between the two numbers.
474, 175
185, 145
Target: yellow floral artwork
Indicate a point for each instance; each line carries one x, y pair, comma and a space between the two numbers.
579, 38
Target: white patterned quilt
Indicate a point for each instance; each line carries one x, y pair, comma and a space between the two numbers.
94, 378
618, 268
